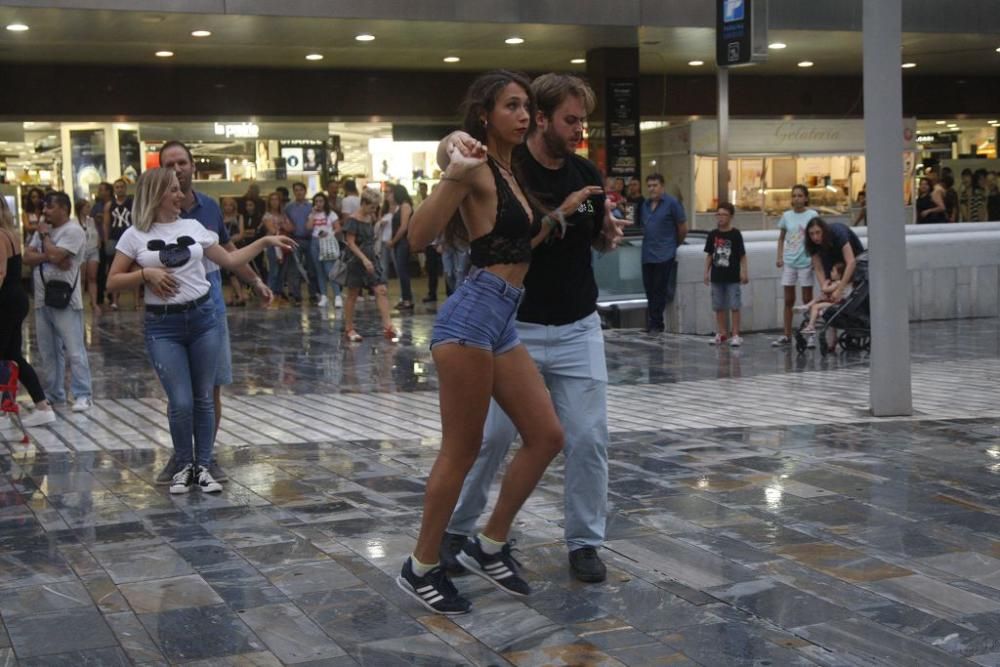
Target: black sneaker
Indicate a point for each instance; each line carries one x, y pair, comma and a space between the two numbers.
429, 299
434, 590
183, 480
205, 481
587, 566
500, 569
451, 546
166, 475
217, 472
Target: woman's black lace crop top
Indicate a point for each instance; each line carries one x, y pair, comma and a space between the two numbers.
509, 242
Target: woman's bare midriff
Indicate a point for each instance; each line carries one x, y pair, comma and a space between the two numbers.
512, 273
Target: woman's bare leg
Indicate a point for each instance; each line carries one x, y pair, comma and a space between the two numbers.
349, 303
382, 298
92, 287
465, 381
519, 390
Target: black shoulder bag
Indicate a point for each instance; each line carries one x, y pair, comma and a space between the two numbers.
58, 293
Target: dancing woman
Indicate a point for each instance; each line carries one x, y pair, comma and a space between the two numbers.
475, 346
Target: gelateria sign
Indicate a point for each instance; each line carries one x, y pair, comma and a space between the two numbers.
237, 130
791, 136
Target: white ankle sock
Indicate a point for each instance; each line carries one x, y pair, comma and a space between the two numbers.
420, 569
489, 546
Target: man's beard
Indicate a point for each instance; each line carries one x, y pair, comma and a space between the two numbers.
555, 145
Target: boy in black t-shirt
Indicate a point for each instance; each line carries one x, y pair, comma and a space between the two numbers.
726, 269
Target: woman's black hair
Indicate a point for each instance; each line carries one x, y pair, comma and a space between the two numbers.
401, 195
28, 206
326, 201
811, 247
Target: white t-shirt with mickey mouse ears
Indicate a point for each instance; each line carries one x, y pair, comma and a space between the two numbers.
179, 247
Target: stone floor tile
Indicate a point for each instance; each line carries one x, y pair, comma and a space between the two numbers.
192, 633
290, 634
158, 595
76, 629
859, 643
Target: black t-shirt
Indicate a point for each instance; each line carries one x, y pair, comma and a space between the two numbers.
726, 249
840, 235
121, 217
560, 286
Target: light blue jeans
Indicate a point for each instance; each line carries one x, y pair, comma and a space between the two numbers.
60, 330
184, 349
571, 360
456, 264
322, 270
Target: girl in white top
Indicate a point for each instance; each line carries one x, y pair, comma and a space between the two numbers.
324, 223
163, 254
91, 253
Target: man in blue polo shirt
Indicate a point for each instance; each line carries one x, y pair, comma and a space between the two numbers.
664, 227
197, 206
298, 211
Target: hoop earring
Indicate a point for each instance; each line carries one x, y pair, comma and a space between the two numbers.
485, 123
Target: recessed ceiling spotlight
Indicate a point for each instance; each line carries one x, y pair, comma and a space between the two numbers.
578, 61
940, 122
452, 59
696, 63
164, 54
908, 65
514, 40
806, 63
364, 37
777, 46
201, 33
17, 27
998, 49
314, 56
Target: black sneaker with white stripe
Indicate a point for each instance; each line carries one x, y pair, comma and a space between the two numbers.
434, 590
500, 568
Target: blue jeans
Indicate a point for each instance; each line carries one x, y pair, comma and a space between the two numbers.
456, 264
322, 270
275, 271
184, 349
58, 330
571, 360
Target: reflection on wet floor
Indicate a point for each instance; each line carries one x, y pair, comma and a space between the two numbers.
758, 514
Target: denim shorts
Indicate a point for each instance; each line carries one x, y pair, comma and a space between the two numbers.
480, 314
726, 296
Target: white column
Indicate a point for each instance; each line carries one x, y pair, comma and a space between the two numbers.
890, 391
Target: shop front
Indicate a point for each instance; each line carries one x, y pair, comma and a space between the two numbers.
766, 158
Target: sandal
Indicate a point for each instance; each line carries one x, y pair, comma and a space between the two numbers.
353, 336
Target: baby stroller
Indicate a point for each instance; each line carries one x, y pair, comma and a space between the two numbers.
851, 318
8, 395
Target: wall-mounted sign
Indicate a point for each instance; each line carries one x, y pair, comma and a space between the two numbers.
237, 130
622, 128
128, 155
87, 154
740, 32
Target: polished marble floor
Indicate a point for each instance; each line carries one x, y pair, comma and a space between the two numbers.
759, 514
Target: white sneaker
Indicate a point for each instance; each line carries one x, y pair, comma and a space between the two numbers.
39, 418
206, 482
735, 341
323, 302
338, 302
183, 480
781, 342
82, 404
811, 342
718, 339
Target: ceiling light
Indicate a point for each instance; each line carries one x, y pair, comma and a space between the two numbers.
17, 27
365, 37
314, 56
514, 40
164, 54
578, 61
998, 49
806, 63
777, 46
696, 63
452, 59
940, 122
909, 65
993, 121
201, 33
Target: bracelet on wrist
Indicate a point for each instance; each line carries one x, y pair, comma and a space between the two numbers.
142, 274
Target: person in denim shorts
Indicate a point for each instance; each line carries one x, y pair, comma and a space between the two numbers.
475, 346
